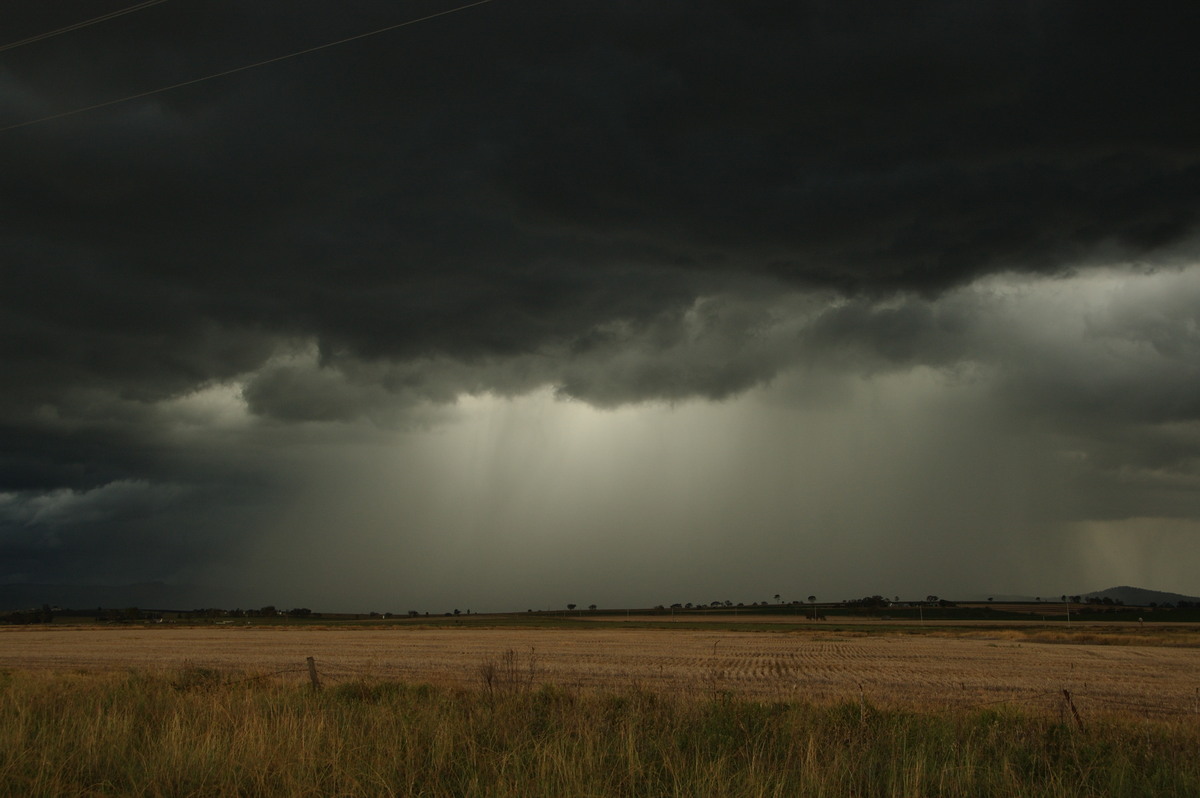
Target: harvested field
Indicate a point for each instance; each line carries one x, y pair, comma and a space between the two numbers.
913, 671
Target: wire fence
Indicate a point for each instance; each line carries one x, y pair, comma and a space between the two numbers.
1073, 703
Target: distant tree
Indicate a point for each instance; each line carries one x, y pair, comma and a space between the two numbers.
456, 612
813, 601
267, 611
777, 598
932, 599
570, 606
868, 601
591, 606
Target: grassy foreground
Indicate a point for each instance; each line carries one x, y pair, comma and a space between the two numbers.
196, 732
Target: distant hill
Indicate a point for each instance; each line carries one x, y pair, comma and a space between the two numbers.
1140, 597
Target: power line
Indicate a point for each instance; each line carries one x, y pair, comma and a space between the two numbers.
244, 68
78, 25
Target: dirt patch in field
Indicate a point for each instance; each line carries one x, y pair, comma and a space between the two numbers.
887, 670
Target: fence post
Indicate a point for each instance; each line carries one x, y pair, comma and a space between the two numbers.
1071, 706
312, 675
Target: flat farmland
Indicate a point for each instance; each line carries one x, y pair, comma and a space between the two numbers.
940, 669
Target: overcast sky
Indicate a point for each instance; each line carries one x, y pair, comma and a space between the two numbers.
603, 302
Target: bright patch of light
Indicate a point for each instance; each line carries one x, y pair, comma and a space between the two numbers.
218, 406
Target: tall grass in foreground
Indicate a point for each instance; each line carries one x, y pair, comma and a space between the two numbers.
189, 733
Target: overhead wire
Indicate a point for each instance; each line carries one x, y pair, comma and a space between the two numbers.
78, 25
243, 68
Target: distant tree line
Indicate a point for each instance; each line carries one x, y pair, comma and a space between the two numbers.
269, 611
1092, 604
45, 614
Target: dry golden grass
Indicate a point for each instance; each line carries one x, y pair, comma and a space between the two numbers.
194, 732
973, 668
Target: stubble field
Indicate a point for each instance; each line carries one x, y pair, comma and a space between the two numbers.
1131, 672
598, 709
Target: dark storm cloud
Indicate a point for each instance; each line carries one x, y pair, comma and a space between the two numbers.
119, 531
627, 201
517, 175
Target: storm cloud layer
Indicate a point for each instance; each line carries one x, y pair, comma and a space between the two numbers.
214, 295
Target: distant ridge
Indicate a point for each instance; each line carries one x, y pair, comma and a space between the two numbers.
1140, 597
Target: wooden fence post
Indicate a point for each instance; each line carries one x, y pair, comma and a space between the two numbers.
312, 675
1071, 706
